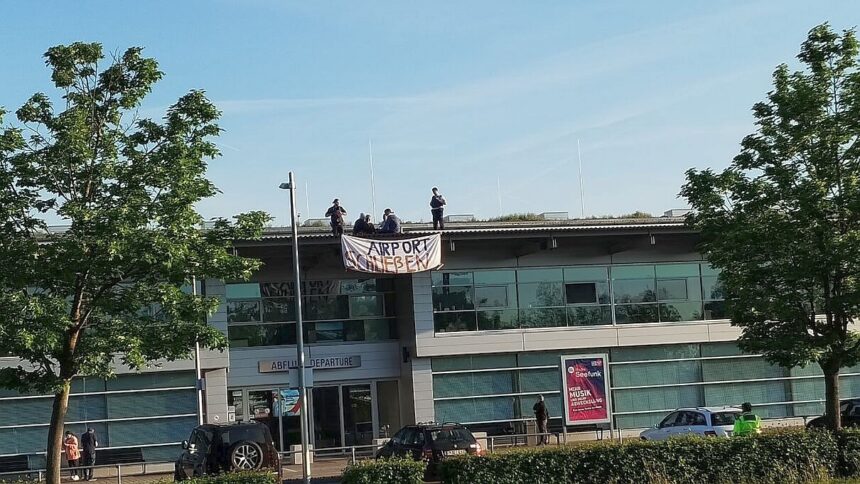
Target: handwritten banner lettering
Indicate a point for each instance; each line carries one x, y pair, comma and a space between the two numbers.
395, 256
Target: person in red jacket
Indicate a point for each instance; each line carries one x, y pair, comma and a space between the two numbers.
73, 454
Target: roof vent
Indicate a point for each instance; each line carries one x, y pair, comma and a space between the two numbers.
554, 216
677, 212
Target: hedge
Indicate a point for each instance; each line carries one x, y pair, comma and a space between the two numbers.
794, 456
243, 477
401, 471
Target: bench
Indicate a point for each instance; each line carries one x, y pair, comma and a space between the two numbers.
131, 455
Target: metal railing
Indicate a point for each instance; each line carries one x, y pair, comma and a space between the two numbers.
120, 471
519, 440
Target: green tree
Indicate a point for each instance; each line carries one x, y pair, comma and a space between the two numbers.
782, 222
109, 288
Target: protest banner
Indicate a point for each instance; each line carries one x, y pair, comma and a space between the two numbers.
392, 256
585, 381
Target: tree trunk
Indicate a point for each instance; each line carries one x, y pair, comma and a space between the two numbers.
831, 397
55, 432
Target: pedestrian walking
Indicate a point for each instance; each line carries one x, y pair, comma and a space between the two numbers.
391, 223
437, 209
73, 454
336, 213
89, 443
747, 423
542, 418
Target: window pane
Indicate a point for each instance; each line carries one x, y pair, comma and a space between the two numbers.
634, 290
541, 294
636, 313
543, 318
495, 277
596, 274
677, 270
540, 275
589, 315
453, 279
633, 272
329, 331
713, 289
279, 309
278, 289
262, 335
243, 311
326, 307
707, 270
452, 298
360, 306
353, 330
380, 329
672, 289
358, 286
243, 291
691, 311
390, 305
581, 293
715, 310
450, 322
492, 297
488, 320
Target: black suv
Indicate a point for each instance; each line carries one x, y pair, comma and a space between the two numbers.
213, 449
431, 442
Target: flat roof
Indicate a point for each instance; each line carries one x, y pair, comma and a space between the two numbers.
600, 225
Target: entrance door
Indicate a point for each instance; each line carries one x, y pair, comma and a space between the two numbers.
326, 417
357, 415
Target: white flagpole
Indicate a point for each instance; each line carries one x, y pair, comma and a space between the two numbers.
372, 185
581, 191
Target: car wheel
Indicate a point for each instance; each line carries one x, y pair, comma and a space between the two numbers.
246, 456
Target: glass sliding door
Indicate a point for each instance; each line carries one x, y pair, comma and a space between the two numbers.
388, 406
326, 417
357, 415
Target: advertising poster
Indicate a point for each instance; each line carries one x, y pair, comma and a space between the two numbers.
290, 402
586, 389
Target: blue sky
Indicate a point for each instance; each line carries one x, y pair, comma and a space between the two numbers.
468, 96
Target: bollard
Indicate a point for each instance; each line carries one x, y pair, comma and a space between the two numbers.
352, 450
40, 476
118, 474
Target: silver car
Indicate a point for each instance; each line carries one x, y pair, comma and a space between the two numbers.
703, 421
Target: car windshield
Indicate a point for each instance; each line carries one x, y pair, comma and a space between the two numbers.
723, 418
452, 435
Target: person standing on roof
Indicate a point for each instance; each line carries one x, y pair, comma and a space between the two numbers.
437, 208
336, 212
391, 224
747, 422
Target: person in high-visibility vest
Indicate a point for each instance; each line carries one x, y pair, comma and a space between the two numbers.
747, 423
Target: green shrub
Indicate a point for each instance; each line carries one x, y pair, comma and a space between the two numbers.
401, 471
777, 457
244, 477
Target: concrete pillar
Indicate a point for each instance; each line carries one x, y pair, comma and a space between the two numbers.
422, 390
216, 396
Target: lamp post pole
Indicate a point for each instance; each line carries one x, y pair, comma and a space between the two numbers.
300, 339
197, 368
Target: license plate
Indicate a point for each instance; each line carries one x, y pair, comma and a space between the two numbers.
455, 452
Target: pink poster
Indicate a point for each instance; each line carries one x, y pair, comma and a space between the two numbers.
586, 389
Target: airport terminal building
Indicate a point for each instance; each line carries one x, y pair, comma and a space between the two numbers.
475, 342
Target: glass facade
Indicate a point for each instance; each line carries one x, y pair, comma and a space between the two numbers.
154, 411
334, 311
575, 296
647, 382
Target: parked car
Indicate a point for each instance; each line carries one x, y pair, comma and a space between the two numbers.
704, 421
850, 410
432, 443
213, 449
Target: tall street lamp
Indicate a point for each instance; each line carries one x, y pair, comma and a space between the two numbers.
300, 339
